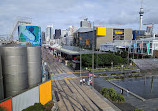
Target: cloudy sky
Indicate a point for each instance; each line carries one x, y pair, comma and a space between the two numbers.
62, 13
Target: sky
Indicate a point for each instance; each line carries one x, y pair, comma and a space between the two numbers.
63, 13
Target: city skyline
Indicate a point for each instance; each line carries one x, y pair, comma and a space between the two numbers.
65, 13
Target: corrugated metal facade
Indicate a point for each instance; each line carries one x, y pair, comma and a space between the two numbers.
25, 99
6, 105
1, 81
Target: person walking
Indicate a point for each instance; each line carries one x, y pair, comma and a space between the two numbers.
81, 81
84, 81
122, 91
90, 82
127, 92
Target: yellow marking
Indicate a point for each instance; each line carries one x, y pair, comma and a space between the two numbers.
69, 78
69, 73
67, 81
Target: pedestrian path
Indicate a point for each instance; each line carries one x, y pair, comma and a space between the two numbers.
62, 76
75, 97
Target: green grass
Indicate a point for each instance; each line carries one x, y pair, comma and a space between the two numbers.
109, 78
138, 110
103, 74
114, 68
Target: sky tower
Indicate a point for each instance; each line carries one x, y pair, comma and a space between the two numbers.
141, 14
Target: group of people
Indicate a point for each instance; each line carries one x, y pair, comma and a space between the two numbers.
83, 81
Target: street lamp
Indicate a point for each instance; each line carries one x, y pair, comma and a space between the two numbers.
93, 57
80, 59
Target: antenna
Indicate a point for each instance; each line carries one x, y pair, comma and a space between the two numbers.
141, 3
141, 14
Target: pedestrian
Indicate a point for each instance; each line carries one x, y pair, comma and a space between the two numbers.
121, 91
84, 81
127, 92
90, 82
80, 81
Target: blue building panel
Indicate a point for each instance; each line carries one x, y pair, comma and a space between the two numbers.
29, 33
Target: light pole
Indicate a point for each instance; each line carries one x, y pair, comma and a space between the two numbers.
80, 64
93, 57
80, 60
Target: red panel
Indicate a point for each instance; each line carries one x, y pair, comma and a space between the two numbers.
7, 105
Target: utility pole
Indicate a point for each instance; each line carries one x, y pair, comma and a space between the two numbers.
80, 64
93, 57
80, 60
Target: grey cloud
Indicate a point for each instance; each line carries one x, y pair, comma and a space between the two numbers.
63, 13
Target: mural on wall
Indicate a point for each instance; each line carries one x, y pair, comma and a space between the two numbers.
29, 33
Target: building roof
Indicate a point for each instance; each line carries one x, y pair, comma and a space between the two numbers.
84, 29
72, 50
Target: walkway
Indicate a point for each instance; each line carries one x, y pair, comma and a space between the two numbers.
75, 97
72, 96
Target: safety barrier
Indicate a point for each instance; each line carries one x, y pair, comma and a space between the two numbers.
39, 94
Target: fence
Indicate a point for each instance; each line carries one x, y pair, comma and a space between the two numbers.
39, 94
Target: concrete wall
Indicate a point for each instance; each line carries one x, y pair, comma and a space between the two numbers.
128, 34
103, 39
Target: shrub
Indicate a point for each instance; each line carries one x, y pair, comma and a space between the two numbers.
108, 78
121, 77
35, 107
49, 106
103, 90
2, 109
111, 94
134, 72
138, 110
114, 74
120, 98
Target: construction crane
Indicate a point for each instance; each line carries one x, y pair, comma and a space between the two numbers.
20, 20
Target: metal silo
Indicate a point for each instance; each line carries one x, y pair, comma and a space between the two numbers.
15, 73
1, 80
34, 65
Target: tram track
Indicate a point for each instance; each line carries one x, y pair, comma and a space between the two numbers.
74, 83
71, 95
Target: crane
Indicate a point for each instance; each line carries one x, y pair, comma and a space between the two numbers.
20, 20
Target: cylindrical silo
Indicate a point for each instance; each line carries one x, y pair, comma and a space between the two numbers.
15, 73
34, 65
1, 80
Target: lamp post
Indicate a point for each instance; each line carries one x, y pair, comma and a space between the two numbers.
80, 59
93, 57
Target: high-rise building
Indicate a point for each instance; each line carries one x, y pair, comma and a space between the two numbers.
49, 32
69, 38
43, 36
57, 33
85, 23
64, 33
